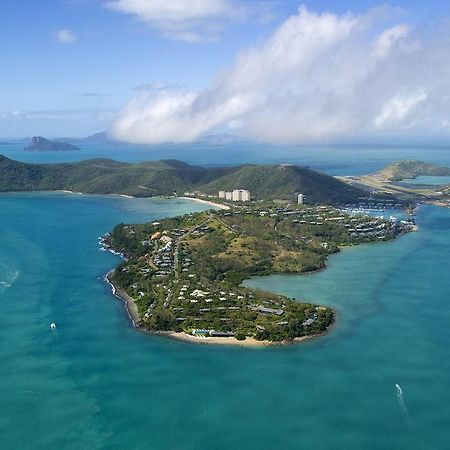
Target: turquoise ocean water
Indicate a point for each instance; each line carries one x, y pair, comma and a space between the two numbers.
96, 383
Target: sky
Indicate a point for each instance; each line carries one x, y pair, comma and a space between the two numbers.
278, 71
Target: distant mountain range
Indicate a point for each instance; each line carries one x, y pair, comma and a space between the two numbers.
166, 177
104, 138
40, 144
97, 138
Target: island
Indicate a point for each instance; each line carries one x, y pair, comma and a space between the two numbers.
40, 144
182, 276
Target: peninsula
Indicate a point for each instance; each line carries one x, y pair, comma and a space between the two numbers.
182, 276
388, 181
405, 169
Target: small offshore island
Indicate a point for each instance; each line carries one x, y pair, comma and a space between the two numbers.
182, 276
40, 144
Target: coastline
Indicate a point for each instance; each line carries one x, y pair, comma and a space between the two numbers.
206, 202
194, 199
438, 202
434, 202
130, 305
248, 342
211, 340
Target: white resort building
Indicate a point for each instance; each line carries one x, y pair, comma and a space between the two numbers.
237, 195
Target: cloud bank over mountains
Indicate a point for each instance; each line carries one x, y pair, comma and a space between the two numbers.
318, 77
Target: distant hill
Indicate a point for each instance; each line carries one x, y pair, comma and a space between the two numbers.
40, 144
402, 170
104, 137
166, 177
282, 181
97, 138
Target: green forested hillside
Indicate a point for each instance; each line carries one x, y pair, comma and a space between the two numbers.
281, 181
168, 177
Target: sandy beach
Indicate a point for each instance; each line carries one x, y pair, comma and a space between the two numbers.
195, 199
121, 195
206, 202
248, 342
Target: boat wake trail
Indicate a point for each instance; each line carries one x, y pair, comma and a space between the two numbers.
401, 402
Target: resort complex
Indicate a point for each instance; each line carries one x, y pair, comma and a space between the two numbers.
237, 195
183, 275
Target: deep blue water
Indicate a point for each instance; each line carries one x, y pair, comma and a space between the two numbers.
332, 159
97, 383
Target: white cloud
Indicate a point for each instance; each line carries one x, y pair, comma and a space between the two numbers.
65, 36
389, 38
174, 10
318, 77
396, 110
187, 20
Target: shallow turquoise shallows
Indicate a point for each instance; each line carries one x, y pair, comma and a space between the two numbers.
97, 383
